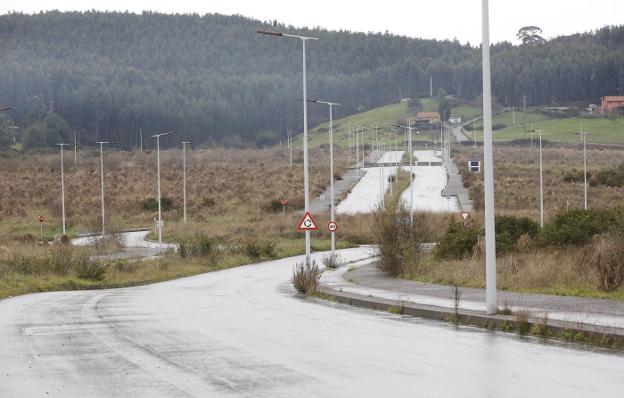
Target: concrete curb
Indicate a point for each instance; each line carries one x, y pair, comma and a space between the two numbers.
600, 335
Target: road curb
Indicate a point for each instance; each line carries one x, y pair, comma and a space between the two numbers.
579, 332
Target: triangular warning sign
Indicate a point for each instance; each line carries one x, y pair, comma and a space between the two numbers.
307, 223
465, 215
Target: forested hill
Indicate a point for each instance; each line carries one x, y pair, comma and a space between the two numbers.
215, 80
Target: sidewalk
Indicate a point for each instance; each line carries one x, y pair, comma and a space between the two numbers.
364, 281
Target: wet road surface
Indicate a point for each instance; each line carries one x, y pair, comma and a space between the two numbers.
243, 332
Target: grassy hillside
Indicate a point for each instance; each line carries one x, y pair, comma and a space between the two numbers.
394, 114
607, 130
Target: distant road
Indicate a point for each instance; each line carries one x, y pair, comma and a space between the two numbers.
242, 332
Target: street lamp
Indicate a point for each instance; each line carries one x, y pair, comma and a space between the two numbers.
411, 156
583, 135
488, 167
331, 105
184, 143
102, 143
541, 181
63, 189
306, 183
160, 223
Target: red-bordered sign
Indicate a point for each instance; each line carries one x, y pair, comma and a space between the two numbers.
307, 223
332, 226
465, 215
284, 202
41, 219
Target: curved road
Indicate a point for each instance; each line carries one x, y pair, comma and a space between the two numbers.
243, 332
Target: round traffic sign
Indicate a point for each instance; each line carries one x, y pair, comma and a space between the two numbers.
332, 226
41, 219
283, 202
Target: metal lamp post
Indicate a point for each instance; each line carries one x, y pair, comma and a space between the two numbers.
306, 187
541, 181
331, 105
409, 129
160, 223
583, 135
184, 143
63, 189
488, 167
102, 143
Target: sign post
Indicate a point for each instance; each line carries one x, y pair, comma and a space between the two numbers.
41, 220
284, 203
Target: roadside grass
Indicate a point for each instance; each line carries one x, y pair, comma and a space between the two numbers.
545, 271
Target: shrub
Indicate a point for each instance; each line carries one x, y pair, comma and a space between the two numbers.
305, 277
613, 177
21, 264
576, 227
575, 176
330, 261
606, 256
87, 268
151, 204
198, 245
256, 250
60, 260
398, 242
509, 229
458, 241
275, 205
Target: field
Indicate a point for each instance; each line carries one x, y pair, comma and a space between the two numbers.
601, 130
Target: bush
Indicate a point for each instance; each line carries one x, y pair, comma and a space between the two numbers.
60, 260
330, 261
609, 177
606, 256
25, 265
87, 268
196, 246
458, 241
397, 241
576, 227
509, 229
256, 250
305, 277
575, 176
151, 204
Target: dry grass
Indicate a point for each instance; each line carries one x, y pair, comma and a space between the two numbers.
516, 177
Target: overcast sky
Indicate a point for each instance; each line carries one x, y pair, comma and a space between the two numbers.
439, 19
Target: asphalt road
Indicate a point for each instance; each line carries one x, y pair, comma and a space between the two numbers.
244, 332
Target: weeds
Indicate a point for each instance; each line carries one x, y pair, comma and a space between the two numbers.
306, 277
332, 262
87, 268
522, 320
606, 255
198, 245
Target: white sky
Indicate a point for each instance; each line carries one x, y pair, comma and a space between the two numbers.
440, 19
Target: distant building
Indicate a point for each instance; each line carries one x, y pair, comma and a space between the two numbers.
612, 104
425, 118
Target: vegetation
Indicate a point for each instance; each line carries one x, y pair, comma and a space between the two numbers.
606, 256
305, 277
171, 63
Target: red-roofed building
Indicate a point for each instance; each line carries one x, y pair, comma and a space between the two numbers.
612, 104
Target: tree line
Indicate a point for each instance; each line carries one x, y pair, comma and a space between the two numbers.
110, 75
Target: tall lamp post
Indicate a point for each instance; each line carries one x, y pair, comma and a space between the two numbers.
184, 143
583, 135
306, 187
63, 189
488, 167
409, 129
541, 168
331, 105
102, 143
160, 223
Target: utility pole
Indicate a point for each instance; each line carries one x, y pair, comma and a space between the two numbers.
488, 171
75, 149
541, 182
63, 189
184, 143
